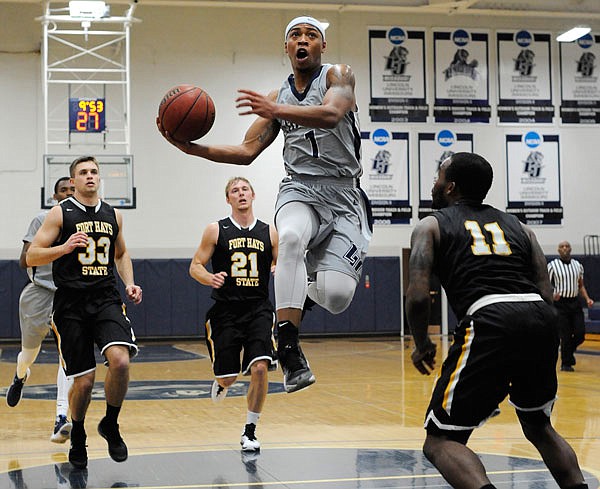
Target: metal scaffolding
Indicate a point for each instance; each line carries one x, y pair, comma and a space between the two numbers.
86, 92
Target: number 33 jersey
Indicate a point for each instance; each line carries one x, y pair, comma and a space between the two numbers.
92, 266
485, 251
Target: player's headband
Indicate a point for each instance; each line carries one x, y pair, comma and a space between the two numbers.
305, 20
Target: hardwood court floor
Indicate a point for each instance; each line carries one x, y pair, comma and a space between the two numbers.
368, 399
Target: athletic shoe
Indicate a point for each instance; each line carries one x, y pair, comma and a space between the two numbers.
116, 446
296, 371
567, 368
15, 391
217, 392
249, 442
62, 430
78, 455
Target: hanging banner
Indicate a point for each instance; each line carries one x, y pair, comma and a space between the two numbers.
434, 148
533, 178
386, 176
397, 70
524, 78
461, 76
579, 81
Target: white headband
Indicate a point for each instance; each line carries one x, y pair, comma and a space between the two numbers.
305, 20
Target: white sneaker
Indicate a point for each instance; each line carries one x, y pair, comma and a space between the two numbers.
62, 430
218, 393
249, 442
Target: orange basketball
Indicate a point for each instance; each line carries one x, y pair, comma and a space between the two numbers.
186, 112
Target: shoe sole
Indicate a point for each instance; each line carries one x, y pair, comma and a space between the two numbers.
303, 381
114, 457
63, 434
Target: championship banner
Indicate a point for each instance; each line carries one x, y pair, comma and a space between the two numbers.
524, 78
386, 176
433, 150
461, 76
533, 178
397, 72
579, 81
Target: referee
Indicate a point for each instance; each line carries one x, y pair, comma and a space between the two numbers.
566, 276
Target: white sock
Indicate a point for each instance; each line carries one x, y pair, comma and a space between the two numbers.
252, 418
63, 385
25, 359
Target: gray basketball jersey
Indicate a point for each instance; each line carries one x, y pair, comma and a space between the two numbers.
41, 275
313, 151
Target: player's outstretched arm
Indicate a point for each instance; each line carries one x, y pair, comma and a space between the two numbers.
261, 133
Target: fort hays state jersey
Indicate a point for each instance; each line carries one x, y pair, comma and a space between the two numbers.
485, 251
90, 267
246, 255
314, 151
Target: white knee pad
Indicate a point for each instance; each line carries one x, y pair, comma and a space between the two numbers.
333, 290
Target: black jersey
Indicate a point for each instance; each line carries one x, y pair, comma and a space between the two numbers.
482, 251
246, 255
92, 266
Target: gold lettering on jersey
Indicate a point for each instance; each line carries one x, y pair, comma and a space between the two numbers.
94, 227
85, 226
255, 244
246, 282
103, 227
94, 270
237, 243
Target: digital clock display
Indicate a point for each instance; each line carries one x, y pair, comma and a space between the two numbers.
86, 115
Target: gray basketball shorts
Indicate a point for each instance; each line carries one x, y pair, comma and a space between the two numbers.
344, 234
35, 309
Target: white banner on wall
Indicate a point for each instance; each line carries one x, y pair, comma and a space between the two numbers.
461, 76
579, 80
386, 176
524, 77
434, 148
397, 70
533, 178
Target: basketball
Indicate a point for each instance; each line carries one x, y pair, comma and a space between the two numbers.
186, 112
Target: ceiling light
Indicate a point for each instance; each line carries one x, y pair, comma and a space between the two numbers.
92, 9
573, 34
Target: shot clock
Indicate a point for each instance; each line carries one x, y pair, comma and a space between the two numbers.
86, 115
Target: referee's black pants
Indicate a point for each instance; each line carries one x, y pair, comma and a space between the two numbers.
572, 328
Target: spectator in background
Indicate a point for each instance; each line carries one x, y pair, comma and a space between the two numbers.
566, 276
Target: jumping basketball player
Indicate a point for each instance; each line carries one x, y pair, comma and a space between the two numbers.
322, 216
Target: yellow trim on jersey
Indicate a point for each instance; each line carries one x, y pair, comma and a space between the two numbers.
462, 361
61, 359
210, 341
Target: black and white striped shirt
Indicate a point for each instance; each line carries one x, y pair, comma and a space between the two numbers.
565, 277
